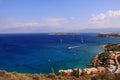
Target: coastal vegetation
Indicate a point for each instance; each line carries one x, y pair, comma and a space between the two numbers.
112, 47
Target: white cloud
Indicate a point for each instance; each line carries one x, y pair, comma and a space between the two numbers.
111, 13
104, 17
54, 19
108, 19
72, 18
43, 24
18, 24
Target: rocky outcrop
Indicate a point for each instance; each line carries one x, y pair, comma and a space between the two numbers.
66, 72
101, 69
111, 56
90, 71
108, 58
110, 62
95, 61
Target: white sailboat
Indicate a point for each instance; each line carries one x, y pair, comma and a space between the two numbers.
82, 40
49, 60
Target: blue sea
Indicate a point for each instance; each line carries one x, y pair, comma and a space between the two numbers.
38, 53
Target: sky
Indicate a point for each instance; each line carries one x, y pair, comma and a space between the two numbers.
43, 16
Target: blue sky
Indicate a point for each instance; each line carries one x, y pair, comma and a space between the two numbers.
38, 16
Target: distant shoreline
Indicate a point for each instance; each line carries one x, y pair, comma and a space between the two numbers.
108, 35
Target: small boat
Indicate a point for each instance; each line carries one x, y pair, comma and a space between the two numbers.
49, 60
71, 47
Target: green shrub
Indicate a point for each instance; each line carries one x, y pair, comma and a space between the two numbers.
75, 73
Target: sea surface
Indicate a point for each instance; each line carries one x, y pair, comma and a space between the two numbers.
38, 53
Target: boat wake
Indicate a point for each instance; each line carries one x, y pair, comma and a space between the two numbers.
71, 47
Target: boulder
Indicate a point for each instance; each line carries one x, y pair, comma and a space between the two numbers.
110, 61
67, 72
111, 56
101, 69
90, 71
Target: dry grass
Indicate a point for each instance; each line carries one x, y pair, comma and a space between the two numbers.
18, 76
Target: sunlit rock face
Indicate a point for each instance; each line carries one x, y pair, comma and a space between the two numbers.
90, 70
67, 72
101, 69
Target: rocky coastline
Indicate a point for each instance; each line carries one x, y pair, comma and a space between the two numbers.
108, 59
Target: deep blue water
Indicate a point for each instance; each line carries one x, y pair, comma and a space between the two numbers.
37, 53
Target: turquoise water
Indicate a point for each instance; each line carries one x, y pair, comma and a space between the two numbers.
37, 53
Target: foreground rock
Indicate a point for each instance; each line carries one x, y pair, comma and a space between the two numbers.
90, 71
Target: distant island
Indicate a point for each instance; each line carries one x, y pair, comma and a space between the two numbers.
63, 33
108, 35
